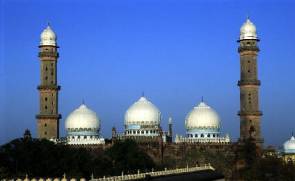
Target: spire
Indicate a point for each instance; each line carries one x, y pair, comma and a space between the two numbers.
83, 101
142, 94
202, 99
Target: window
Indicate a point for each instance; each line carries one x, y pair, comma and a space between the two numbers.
196, 135
45, 98
45, 133
202, 135
208, 135
45, 107
45, 125
46, 78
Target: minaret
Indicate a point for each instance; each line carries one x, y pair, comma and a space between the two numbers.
249, 84
170, 127
48, 117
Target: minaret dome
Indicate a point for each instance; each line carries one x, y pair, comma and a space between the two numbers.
248, 31
48, 37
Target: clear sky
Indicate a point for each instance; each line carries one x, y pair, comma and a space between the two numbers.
174, 51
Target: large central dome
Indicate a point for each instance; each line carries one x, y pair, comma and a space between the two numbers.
142, 112
202, 116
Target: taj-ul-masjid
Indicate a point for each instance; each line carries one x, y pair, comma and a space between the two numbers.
143, 119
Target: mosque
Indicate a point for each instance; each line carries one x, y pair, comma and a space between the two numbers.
142, 121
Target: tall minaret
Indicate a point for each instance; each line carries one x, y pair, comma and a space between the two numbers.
170, 133
48, 117
249, 84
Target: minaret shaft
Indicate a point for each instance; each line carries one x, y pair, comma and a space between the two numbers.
249, 92
48, 117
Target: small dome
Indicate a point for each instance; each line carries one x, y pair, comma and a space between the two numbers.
48, 37
82, 119
289, 146
143, 112
248, 31
202, 117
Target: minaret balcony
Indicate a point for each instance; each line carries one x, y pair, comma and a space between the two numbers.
248, 48
50, 87
48, 116
250, 113
249, 82
48, 54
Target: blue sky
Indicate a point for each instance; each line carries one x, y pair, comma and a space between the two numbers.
174, 51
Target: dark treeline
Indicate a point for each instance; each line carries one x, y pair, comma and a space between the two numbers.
42, 158
262, 167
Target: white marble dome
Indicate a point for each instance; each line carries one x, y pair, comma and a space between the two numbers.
202, 117
82, 118
142, 112
289, 146
248, 31
48, 37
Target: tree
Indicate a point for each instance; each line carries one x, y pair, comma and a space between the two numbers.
128, 157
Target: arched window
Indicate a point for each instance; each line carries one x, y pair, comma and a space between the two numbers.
202, 135
196, 135
208, 135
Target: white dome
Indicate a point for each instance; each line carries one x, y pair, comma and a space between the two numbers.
143, 112
202, 117
248, 31
289, 146
48, 37
82, 119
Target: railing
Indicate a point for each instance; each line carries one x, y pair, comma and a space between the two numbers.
123, 177
165, 172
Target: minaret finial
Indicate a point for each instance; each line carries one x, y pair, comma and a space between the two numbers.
202, 100
83, 101
48, 23
142, 94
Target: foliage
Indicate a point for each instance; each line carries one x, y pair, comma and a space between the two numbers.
43, 158
128, 157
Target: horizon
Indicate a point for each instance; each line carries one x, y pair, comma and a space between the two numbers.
176, 53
